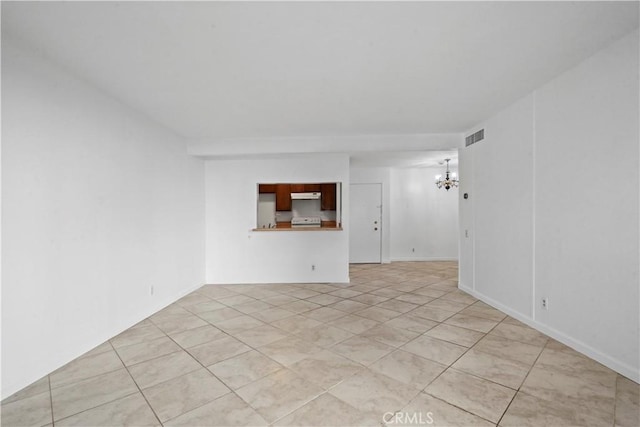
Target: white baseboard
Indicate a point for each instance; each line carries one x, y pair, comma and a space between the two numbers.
608, 361
98, 339
127, 323
399, 259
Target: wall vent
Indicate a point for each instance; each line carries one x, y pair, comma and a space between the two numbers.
472, 139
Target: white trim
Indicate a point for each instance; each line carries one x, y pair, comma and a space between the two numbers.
103, 338
612, 363
160, 305
394, 259
534, 305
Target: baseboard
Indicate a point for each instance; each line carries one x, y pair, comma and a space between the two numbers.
9, 389
281, 282
577, 345
137, 319
401, 259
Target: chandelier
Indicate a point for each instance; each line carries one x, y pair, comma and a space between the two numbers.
450, 179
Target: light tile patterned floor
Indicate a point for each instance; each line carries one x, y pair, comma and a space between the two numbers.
400, 339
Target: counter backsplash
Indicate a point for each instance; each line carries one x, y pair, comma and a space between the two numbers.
305, 208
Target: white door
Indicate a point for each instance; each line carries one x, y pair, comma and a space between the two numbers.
365, 225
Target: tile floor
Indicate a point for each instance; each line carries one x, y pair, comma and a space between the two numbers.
400, 339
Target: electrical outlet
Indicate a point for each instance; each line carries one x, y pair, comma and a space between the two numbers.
545, 303
466, 233
151, 290
413, 249
313, 267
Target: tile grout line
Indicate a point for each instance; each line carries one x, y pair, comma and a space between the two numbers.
53, 423
231, 390
523, 381
615, 399
137, 385
456, 406
487, 379
451, 367
81, 379
299, 407
94, 407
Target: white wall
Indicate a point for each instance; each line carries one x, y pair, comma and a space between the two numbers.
235, 254
99, 205
502, 196
564, 224
424, 218
378, 175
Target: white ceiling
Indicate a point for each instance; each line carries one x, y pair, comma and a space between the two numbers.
220, 70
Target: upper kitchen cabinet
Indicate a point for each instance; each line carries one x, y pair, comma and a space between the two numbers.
297, 188
282, 192
328, 199
312, 188
305, 188
283, 197
266, 188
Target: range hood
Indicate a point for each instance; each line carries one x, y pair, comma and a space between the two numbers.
305, 196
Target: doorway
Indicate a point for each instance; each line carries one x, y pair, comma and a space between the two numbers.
365, 224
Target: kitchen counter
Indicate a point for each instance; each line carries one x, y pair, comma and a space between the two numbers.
286, 226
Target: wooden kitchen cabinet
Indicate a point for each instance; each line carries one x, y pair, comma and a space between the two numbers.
283, 194
305, 188
266, 188
283, 197
328, 199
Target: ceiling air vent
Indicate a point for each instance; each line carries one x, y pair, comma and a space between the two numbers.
472, 139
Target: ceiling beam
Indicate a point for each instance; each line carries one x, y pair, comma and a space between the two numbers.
324, 144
